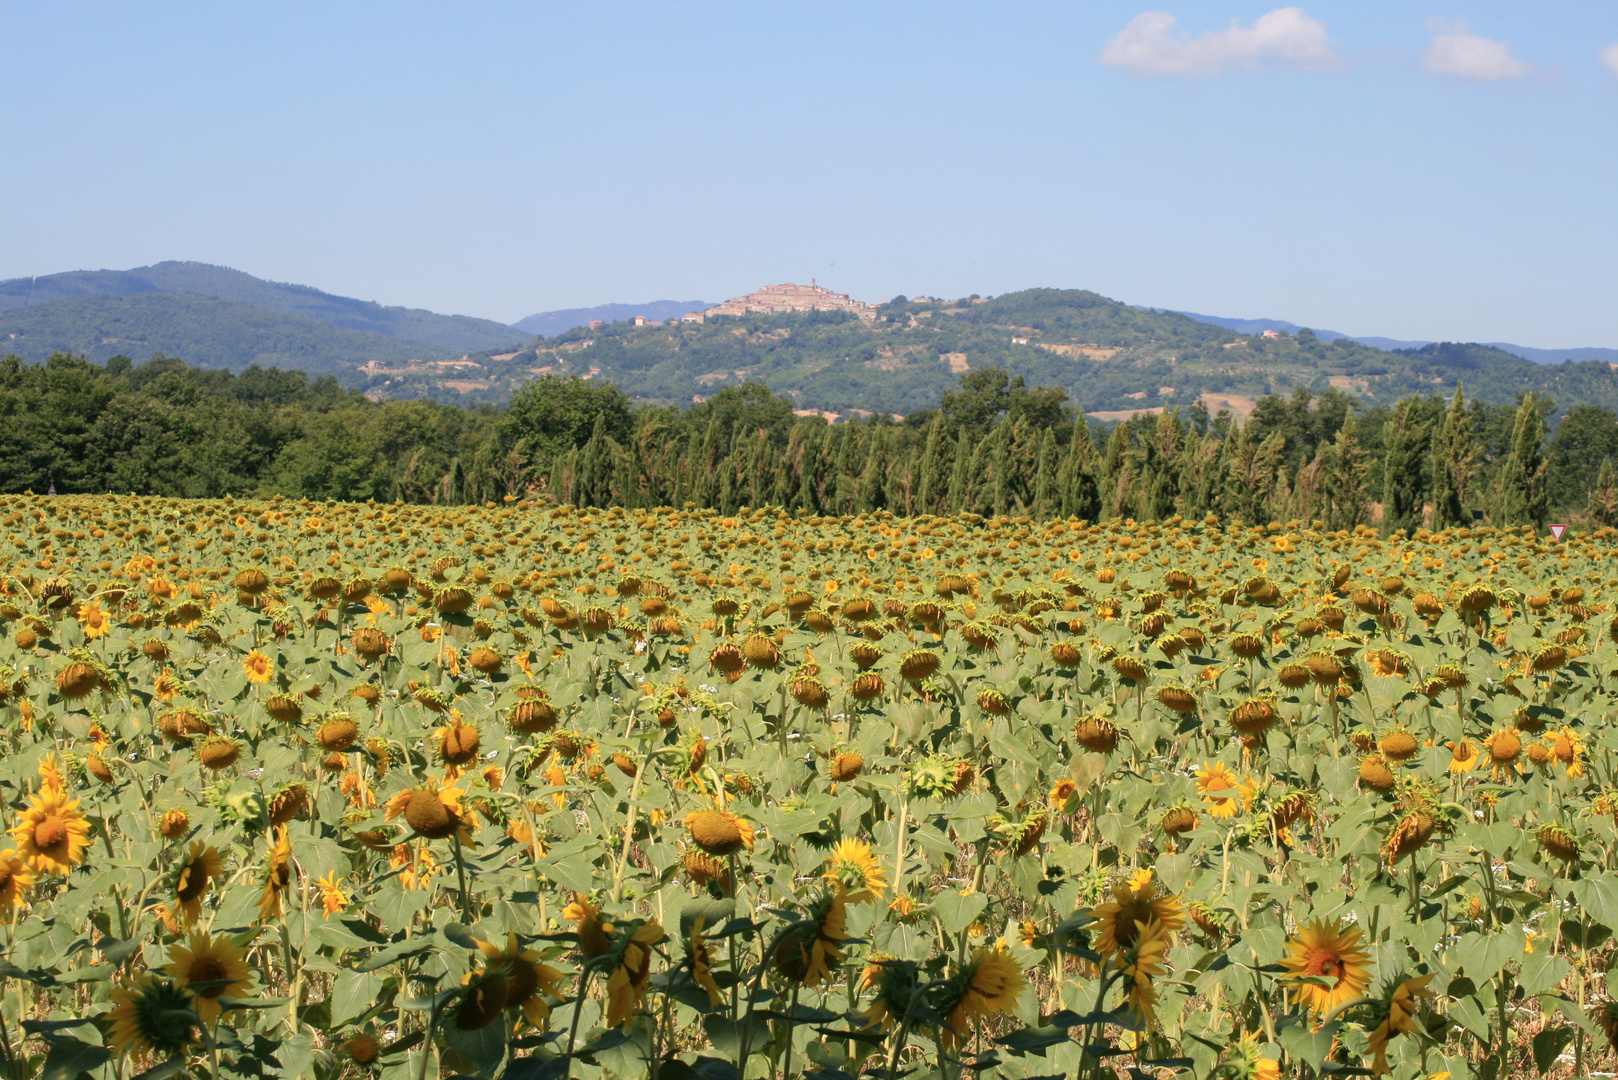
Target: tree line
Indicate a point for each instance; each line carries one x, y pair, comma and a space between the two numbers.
993, 446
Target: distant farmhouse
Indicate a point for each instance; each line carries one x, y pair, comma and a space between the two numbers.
789, 297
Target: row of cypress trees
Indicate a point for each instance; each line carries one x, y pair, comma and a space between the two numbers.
1432, 470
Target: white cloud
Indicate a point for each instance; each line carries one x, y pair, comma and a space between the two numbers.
1609, 59
1149, 45
1455, 50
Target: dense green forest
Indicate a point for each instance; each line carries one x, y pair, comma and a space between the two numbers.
993, 446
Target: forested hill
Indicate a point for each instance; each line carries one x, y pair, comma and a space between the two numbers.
206, 330
443, 334
1111, 357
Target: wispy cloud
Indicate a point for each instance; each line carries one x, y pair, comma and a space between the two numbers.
1455, 50
1609, 59
1150, 45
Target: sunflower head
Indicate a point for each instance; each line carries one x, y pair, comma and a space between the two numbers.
719, 832
152, 1016
853, 865
1327, 966
990, 982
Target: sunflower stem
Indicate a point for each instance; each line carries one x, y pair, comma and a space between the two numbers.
460, 877
573, 1026
792, 1024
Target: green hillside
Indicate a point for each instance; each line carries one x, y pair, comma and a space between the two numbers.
445, 333
1112, 358
1108, 356
205, 331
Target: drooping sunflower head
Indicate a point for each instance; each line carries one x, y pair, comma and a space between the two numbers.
527, 979
434, 813
990, 982
1135, 901
200, 865
810, 950
719, 832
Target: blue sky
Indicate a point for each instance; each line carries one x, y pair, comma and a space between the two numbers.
1443, 171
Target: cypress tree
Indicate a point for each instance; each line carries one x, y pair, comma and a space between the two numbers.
868, 493
930, 473
1519, 493
1079, 492
1404, 487
1454, 456
808, 463
1604, 497
1000, 480
958, 477
1344, 483
842, 483
1046, 496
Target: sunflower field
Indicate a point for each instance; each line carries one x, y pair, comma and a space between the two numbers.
324, 790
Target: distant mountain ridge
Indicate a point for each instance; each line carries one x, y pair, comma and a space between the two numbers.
1538, 356
901, 357
552, 323
444, 334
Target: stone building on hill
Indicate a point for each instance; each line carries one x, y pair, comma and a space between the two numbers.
789, 297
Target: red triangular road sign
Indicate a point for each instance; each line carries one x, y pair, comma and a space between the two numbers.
1558, 530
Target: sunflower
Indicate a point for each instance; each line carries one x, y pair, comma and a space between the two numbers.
525, 976
332, 898
854, 865
433, 812
52, 833
277, 876
895, 982
633, 971
991, 982
1464, 756
595, 934
50, 775
15, 881
1568, 749
1397, 1016
699, 958
1504, 747
1141, 964
809, 950
152, 1016
200, 865
259, 668
208, 968
1134, 901
93, 620
1225, 795
719, 832
1330, 952
1248, 1064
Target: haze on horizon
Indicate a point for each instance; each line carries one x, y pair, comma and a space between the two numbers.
1371, 168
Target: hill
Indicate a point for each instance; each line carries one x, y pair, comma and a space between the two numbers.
1538, 356
1112, 358
204, 330
444, 334
552, 323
